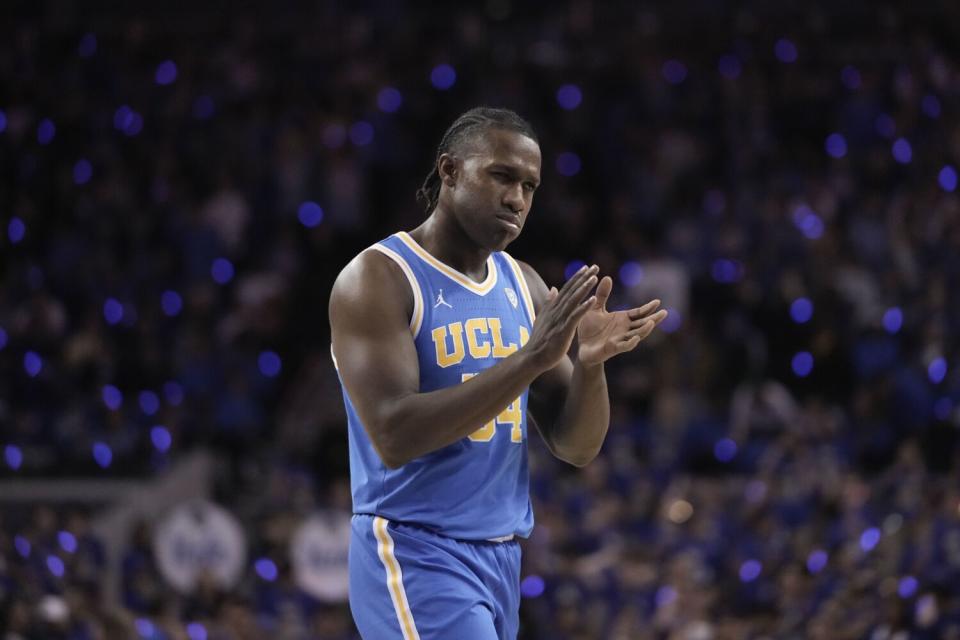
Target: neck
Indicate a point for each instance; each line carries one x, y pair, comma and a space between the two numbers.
445, 240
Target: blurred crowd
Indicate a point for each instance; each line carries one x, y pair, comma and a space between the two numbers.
181, 185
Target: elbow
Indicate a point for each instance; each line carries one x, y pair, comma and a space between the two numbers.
393, 451
579, 460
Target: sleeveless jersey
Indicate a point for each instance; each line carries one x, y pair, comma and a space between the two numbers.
476, 488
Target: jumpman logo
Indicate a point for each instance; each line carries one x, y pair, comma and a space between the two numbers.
441, 301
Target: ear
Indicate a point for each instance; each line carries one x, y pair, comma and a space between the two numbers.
447, 169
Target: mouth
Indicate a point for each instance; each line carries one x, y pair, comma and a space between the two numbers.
511, 222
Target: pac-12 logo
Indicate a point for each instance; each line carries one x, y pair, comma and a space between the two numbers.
511, 296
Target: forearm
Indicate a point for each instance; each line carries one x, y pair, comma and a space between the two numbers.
578, 433
420, 423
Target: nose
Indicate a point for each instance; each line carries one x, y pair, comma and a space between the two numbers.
513, 198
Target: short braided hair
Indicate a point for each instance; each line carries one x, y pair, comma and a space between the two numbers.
469, 123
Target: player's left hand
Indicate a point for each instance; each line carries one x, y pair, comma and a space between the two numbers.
603, 334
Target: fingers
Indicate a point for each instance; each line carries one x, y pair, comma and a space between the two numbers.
656, 318
640, 312
552, 294
575, 289
603, 292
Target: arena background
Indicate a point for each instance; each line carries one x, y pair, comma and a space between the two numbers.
181, 182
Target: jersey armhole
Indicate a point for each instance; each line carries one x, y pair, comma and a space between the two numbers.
524, 289
416, 318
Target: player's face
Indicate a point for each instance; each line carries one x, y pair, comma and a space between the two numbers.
494, 192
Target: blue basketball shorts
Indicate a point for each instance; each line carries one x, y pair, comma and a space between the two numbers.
409, 583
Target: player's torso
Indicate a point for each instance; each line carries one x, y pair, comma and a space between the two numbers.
478, 486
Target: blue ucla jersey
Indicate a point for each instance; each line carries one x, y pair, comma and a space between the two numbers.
477, 488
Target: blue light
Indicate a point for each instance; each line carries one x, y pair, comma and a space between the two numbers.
930, 106
269, 363
22, 546
785, 51
122, 117
149, 402
802, 364
145, 628
730, 66
907, 586
389, 100
750, 570
16, 229
568, 164
161, 438
569, 96
361, 133
13, 455
112, 397
726, 271
266, 569
3, 338
672, 322
572, 268
948, 178
102, 454
32, 363
166, 72
196, 631
68, 542
46, 131
310, 214
836, 145
942, 408
937, 370
55, 565
665, 595
204, 108
173, 393
801, 310
88, 45
725, 449
171, 303
816, 561
3, 121
443, 77
532, 587
631, 273
869, 539
808, 222
885, 125
893, 319
902, 151
674, 71
112, 311
82, 171
850, 77
222, 271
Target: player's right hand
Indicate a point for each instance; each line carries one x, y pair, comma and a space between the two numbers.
557, 321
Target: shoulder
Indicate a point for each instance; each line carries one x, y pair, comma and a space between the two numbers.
538, 288
370, 283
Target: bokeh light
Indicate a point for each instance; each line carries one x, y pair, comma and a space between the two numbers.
930, 105
67, 541
221, 271
161, 438
310, 214
16, 230
726, 271
22, 545
571, 269
750, 570
443, 77
785, 50
937, 370
817, 560
801, 310
532, 586
13, 456
869, 539
948, 178
631, 273
112, 397
266, 569
82, 171
907, 587
269, 364
3, 338
46, 130
836, 145
569, 96
665, 596
102, 454
166, 72
171, 303
673, 321
725, 449
112, 311
32, 363
196, 631
389, 100
802, 364
892, 319
568, 164
674, 71
55, 566
902, 151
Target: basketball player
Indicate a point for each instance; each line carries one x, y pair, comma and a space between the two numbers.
437, 336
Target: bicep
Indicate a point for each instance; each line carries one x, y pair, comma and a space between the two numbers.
371, 339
